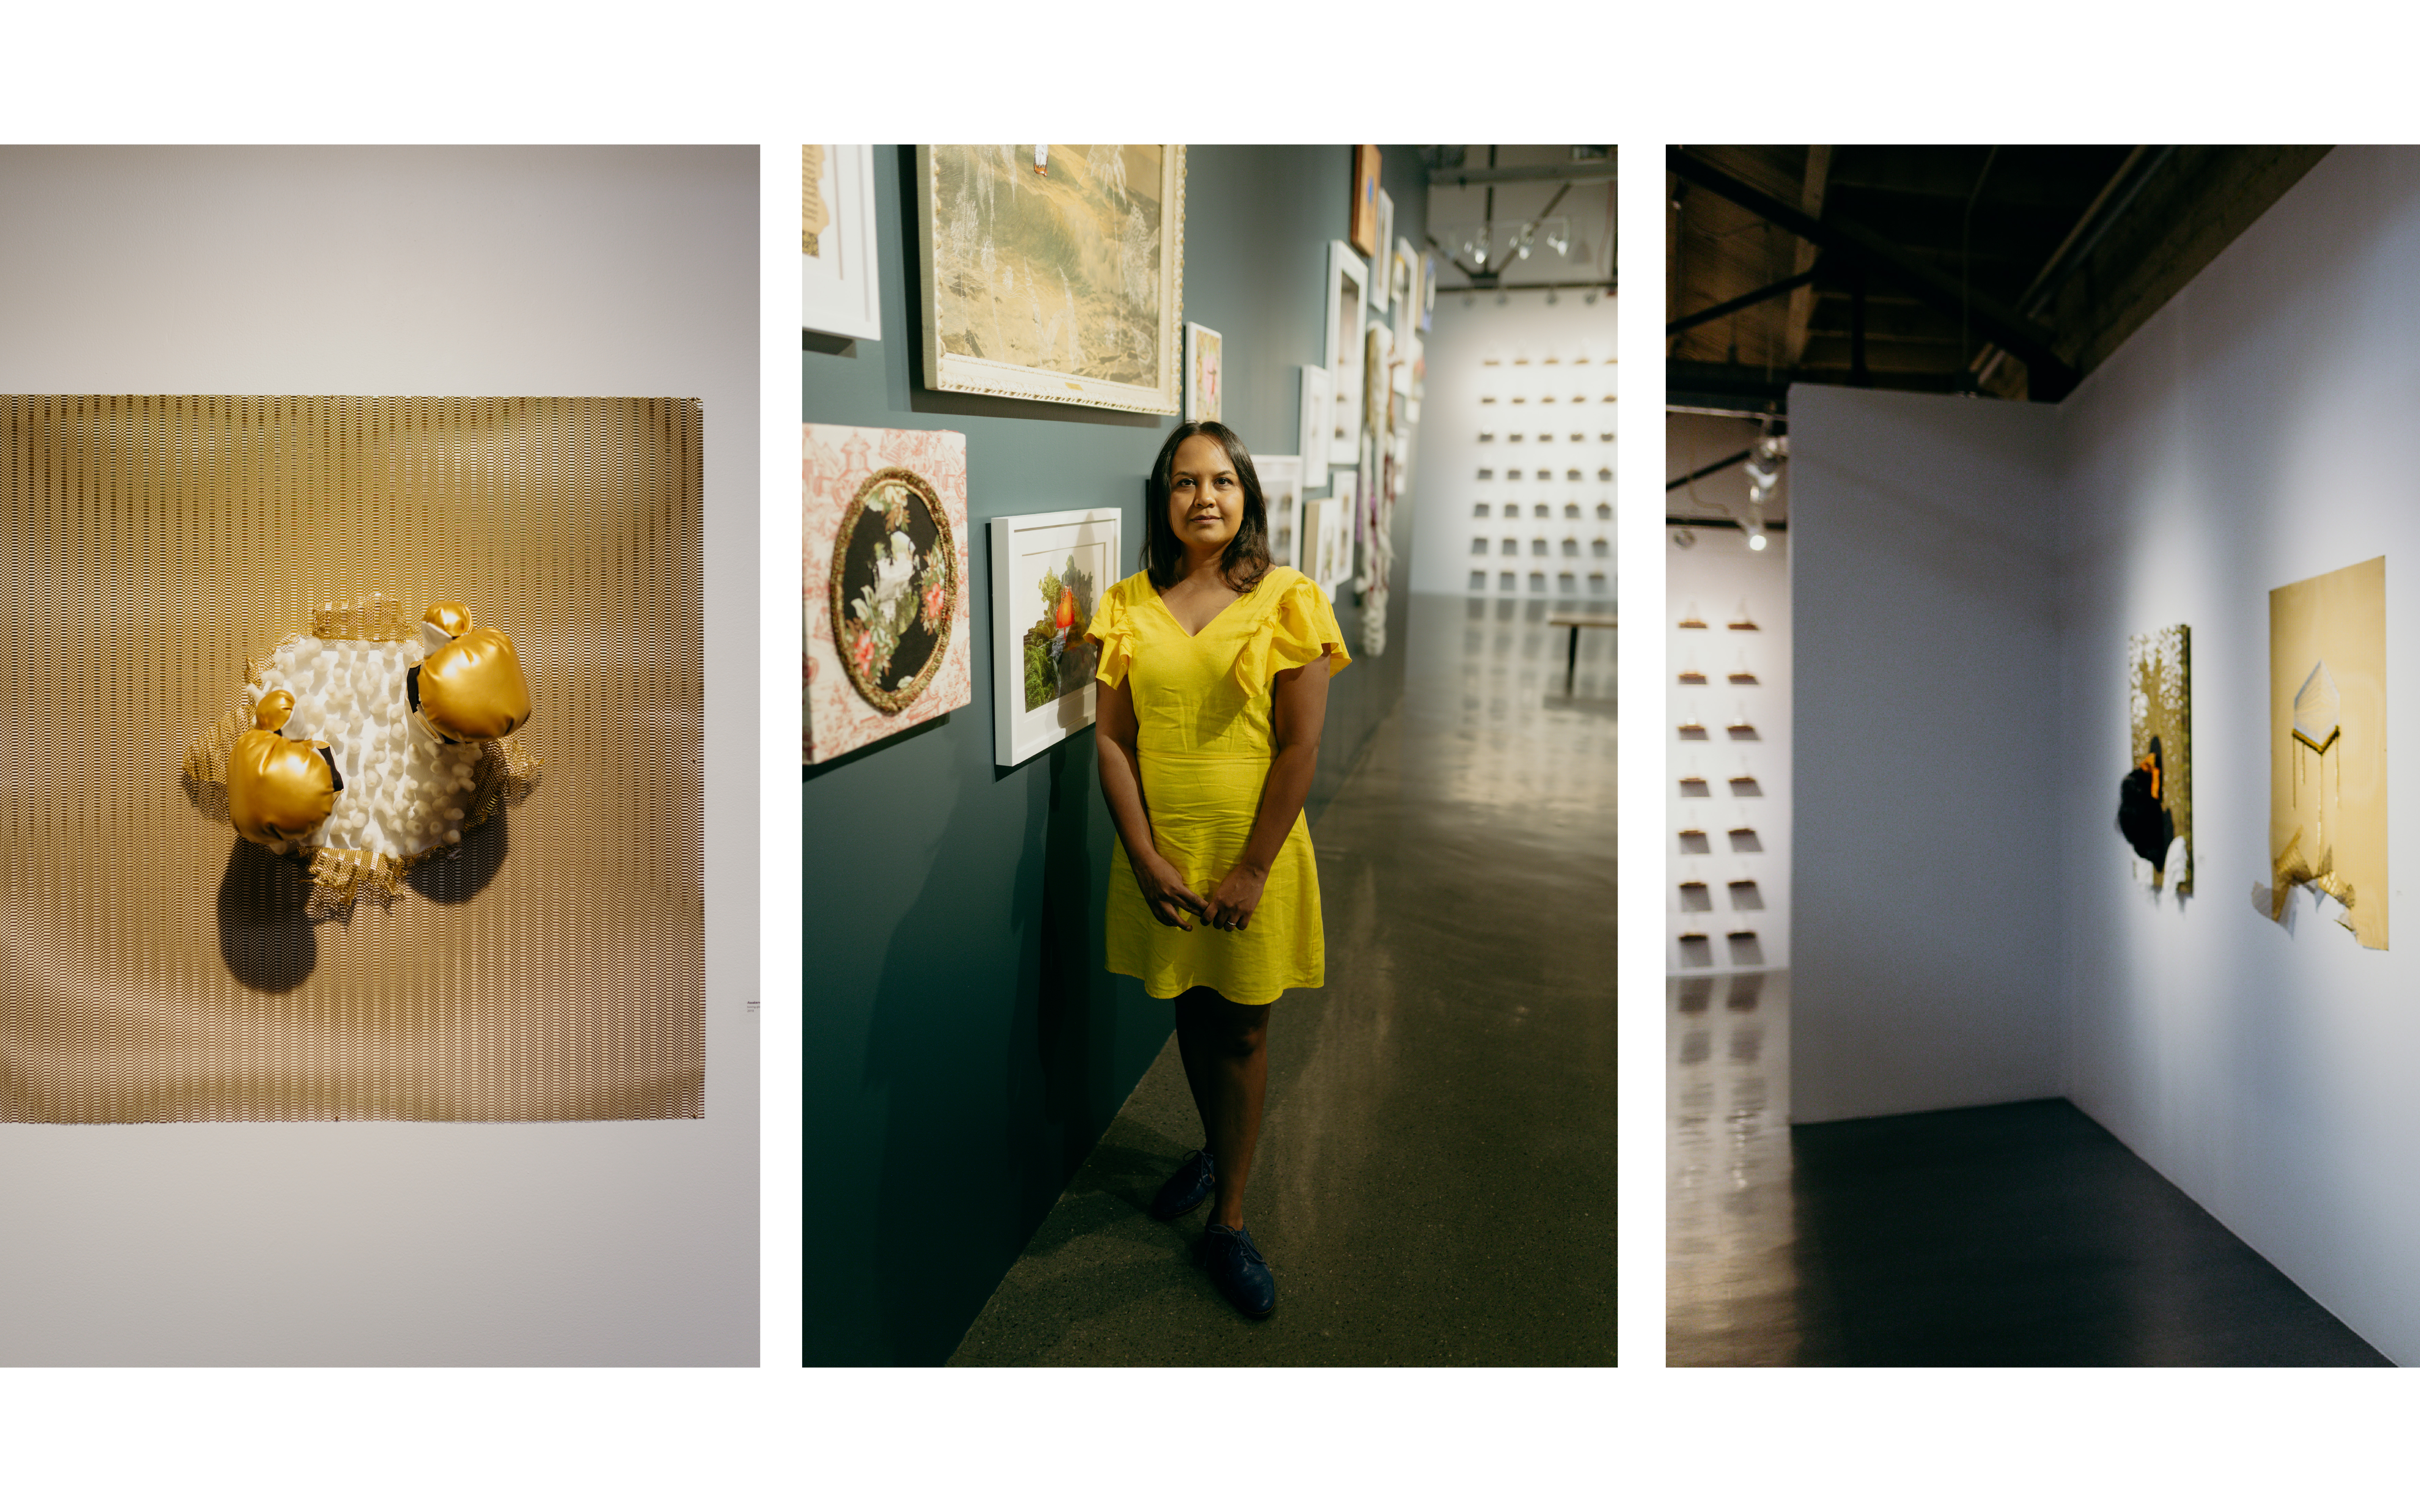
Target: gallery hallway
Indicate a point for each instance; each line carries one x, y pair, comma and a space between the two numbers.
2018, 1234
1435, 1183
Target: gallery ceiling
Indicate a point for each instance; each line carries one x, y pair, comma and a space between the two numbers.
1557, 201
2004, 270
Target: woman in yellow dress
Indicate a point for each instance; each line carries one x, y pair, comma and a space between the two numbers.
1214, 672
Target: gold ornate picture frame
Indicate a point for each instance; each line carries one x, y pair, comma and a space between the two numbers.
1054, 272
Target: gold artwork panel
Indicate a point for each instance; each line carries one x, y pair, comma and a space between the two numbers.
2327, 744
2160, 709
159, 968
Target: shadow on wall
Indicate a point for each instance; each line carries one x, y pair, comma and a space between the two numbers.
264, 935
935, 1195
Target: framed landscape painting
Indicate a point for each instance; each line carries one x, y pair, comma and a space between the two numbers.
1054, 272
1047, 574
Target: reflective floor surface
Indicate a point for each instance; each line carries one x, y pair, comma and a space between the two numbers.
2021, 1234
1435, 1183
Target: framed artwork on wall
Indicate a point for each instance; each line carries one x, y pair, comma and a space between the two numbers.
1403, 273
1318, 424
1428, 290
1362, 230
1379, 282
2155, 798
1054, 272
1202, 366
1047, 574
1282, 492
887, 618
2327, 746
840, 291
1327, 535
1348, 300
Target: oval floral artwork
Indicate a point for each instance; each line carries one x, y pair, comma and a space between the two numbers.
894, 588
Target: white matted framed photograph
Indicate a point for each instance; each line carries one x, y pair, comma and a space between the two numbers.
1204, 366
1281, 493
1327, 528
1403, 273
1318, 424
1428, 288
840, 291
1047, 574
1348, 311
1378, 285
1054, 272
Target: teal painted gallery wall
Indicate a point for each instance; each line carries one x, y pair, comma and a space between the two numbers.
964, 1048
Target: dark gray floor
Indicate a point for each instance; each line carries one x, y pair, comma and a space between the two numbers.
1435, 1183
2022, 1234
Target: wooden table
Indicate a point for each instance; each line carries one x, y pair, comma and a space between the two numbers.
1578, 619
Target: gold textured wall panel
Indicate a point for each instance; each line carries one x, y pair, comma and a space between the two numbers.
157, 968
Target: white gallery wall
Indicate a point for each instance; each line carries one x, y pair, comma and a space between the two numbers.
1728, 780
2249, 435
1502, 516
408, 271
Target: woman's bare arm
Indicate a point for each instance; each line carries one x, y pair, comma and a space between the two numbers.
1297, 716
1163, 889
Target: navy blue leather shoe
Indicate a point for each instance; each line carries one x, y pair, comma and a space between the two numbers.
1186, 1190
1237, 1267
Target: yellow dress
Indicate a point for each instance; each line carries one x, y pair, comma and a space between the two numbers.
1201, 712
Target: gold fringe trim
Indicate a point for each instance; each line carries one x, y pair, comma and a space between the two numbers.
371, 617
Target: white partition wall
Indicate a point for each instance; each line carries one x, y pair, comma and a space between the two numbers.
1925, 962
1531, 516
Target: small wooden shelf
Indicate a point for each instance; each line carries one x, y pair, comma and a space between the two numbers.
1745, 679
1693, 679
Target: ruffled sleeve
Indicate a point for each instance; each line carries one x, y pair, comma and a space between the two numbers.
1115, 630
1294, 631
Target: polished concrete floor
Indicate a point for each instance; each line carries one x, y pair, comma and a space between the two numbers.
2022, 1234
1435, 1183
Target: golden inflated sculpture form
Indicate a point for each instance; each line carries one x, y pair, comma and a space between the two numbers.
279, 790
470, 686
411, 745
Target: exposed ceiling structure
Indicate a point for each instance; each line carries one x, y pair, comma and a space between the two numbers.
1522, 216
2004, 270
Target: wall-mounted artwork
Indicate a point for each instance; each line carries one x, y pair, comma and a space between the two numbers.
1327, 528
1203, 365
1428, 290
1282, 492
1362, 230
1381, 283
885, 583
1054, 272
2327, 744
1318, 424
1047, 574
360, 759
1348, 286
2155, 798
841, 291
1403, 275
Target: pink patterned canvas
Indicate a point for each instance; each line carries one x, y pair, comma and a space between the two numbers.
904, 628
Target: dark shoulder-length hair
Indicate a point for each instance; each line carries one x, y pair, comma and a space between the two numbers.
1246, 558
